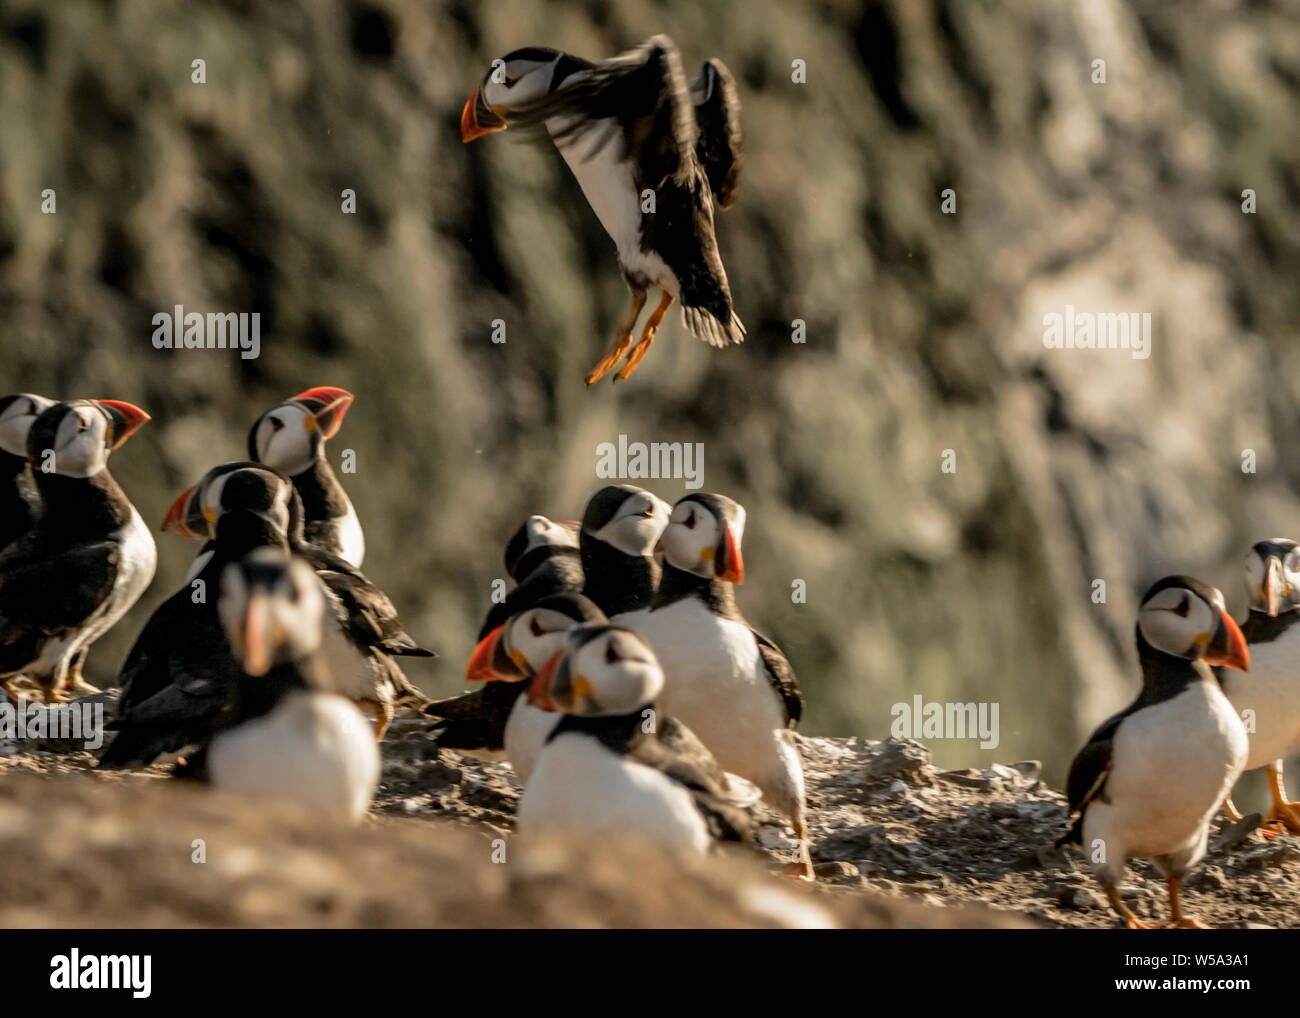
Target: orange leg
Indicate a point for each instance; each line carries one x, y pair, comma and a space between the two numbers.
1131, 921
1177, 920
622, 338
1230, 810
801, 867
1284, 816
647, 337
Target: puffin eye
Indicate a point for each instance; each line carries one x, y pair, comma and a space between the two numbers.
612, 655
535, 627
276, 423
1183, 607
82, 424
690, 521
510, 82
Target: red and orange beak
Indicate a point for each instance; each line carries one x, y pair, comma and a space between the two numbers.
1227, 648
1273, 587
539, 690
327, 404
491, 663
125, 418
174, 521
477, 119
728, 565
257, 636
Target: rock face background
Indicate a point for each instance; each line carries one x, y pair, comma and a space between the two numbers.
924, 330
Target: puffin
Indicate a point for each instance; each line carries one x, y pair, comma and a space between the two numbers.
614, 765
1150, 779
542, 558
85, 560
177, 679
291, 438
1271, 689
728, 683
19, 502
178, 676
286, 733
654, 157
621, 528
495, 721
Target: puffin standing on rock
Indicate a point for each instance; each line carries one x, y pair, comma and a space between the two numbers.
87, 558
621, 528
1271, 689
653, 156
1150, 779
291, 438
730, 685
286, 734
614, 764
497, 720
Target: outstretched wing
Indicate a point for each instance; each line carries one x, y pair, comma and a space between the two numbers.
640, 95
719, 147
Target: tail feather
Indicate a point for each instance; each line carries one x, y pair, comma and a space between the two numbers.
706, 326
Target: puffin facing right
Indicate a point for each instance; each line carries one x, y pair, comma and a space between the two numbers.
1150, 778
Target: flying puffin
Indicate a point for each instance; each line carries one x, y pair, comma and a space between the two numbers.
621, 527
1271, 689
1150, 778
542, 558
86, 559
628, 126
496, 720
286, 733
291, 438
729, 684
614, 764
19, 502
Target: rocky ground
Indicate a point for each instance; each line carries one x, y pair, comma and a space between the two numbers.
897, 842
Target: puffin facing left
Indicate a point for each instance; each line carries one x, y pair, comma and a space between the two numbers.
653, 156
288, 735
88, 557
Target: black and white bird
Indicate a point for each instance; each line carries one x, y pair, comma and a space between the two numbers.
542, 558
653, 156
1151, 778
496, 721
286, 733
291, 438
87, 558
615, 764
730, 685
1270, 691
20, 504
621, 528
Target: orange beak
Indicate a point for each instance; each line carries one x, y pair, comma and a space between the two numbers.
1272, 585
480, 667
729, 566
539, 690
127, 417
1228, 647
174, 521
336, 402
257, 652
476, 119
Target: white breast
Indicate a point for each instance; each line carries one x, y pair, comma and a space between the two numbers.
526, 732
351, 537
1172, 765
314, 749
715, 683
1271, 692
579, 785
609, 185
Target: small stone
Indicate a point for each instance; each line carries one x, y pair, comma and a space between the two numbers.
1129, 892
899, 758
1079, 898
1235, 833
837, 870
969, 777
1004, 811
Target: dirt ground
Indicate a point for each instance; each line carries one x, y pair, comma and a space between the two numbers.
896, 841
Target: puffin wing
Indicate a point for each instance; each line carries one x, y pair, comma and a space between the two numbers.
1089, 771
640, 96
475, 720
782, 678
49, 593
719, 147
368, 614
